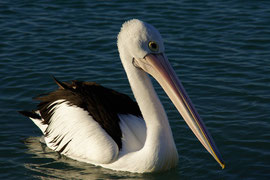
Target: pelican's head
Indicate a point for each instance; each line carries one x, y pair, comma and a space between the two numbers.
141, 47
138, 39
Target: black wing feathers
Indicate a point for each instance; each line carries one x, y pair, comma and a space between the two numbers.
101, 103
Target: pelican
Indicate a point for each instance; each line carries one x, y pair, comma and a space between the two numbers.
91, 123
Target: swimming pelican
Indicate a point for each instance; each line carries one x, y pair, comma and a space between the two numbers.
90, 123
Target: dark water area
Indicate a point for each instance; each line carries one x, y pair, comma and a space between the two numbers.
220, 50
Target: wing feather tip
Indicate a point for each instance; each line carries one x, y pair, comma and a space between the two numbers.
30, 114
60, 84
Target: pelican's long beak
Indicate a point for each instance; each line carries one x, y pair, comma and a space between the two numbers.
159, 67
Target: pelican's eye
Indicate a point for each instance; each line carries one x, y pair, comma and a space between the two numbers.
153, 46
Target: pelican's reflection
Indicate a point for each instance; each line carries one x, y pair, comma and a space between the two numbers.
48, 164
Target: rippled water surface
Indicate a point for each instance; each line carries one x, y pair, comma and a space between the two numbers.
219, 49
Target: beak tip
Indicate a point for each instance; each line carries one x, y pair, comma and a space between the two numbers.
222, 166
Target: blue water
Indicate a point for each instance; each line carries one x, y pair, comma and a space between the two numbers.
219, 49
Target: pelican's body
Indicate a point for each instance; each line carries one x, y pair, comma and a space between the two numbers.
93, 124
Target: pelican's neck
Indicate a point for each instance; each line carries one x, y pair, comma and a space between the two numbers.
148, 101
159, 133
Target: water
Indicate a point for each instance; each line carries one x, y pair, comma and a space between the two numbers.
220, 50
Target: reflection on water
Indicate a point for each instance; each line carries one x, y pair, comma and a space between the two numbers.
48, 164
51, 164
